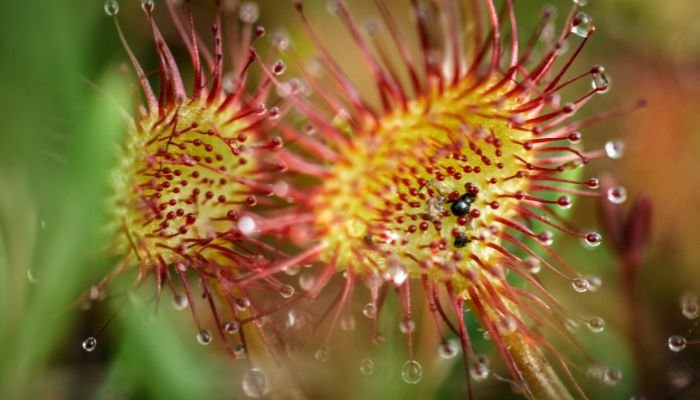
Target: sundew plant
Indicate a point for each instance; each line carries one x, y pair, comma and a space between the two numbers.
371, 198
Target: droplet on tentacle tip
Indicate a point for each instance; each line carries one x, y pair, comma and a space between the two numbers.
600, 80
111, 7
148, 5
249, 12
369, 310
617, 194
615, 149
580, 285
407, 326
204, 337
582, 25
231, 327
596, 324
593, 239
180, 302
448, 349
677, 343
690, 305
90, 344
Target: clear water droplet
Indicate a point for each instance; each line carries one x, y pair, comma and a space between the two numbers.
367, 367
507, 325
180, 302
407, 326
287, 291
333, 8
369, 311
240, 351
90, 344
615, 149
204, 337
546, 237
564, 202
281, 41
600, 81
411, 372
347, 323
617, 195
533, 265
323, 354
593, 183
148, 5
32, 276
479, 371
396, 273
593, 239
242, 303
612, 376
279, 67
594, 282
249, 12
274, 112
254, 384
231, 327
690, 305
581, 25
112, 7
247, 225
95, 293
306, 280
580, 285
596, 324
677, 343
448, 349
293, 270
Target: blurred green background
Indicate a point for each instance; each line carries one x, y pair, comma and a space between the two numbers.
64, 86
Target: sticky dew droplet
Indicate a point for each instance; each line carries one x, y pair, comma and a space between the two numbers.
596, 324
581, 25
600, 81
580, 285
677, 343
148, 5
617, 194
323, 353
593, 239
615, 149
180, 302
448, 349
369, 310
204, 337
90, 344
111, 7
249, 12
